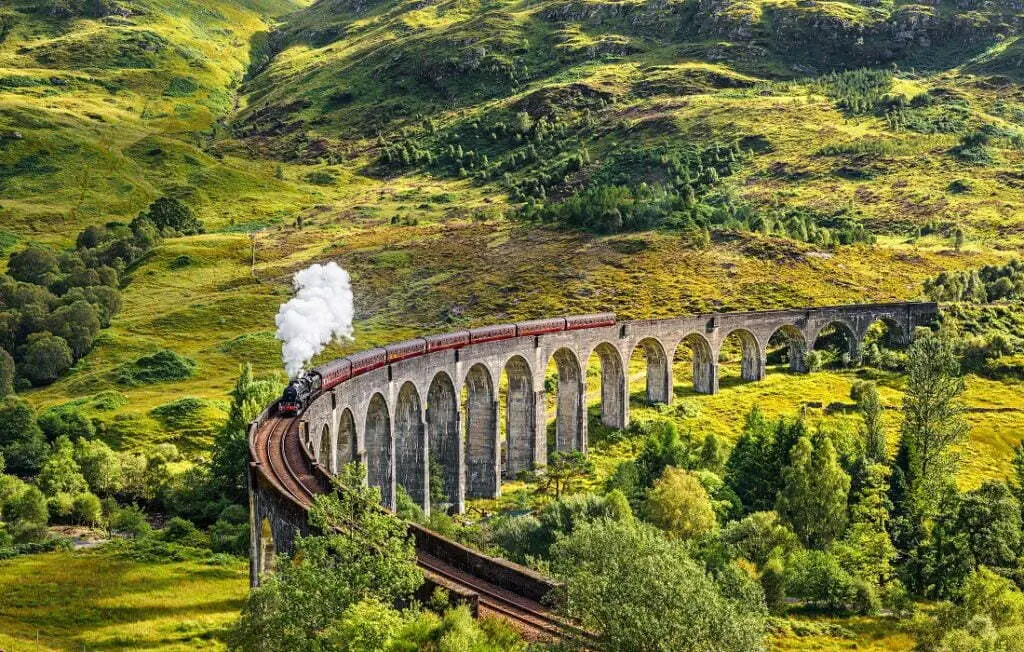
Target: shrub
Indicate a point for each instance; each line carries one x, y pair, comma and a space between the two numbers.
44, 358
184, 532
60, 472
759, 537
87, 510
520, 537
817, 578
230, 536
130, 521
813, 360
171, 213
100, 466
61, 506
34, 265
27, 515
162, 366
65, 422
635, 587
773, 583
21, 441
78, 324
679, 504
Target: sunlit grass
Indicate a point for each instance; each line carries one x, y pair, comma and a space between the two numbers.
90, 600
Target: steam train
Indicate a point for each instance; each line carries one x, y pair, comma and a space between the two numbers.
307, 386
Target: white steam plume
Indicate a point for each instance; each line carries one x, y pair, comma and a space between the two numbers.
320, 312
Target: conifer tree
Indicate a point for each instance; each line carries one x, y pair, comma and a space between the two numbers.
815, 491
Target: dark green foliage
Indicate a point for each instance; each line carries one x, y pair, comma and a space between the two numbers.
130, 521
55, 303
990, 519
974, 147
230, 533
813, 498
44, 357
989, 283
7, 370
229, 460
67, 422
159, 367
858, 92
759, 538
173, 214
933, 416
754, 468
21, 440
817, 578
360, 553
664, 447
78, 324
34, 265
637, 589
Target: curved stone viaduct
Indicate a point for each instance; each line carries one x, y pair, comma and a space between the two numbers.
443, 407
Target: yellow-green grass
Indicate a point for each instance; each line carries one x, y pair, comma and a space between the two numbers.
873, 634
92, 600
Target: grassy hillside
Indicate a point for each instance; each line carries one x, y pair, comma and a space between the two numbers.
106, 105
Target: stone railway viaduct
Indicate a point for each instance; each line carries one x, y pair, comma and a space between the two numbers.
444, 406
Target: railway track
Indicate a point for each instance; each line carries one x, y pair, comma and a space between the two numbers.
285, 465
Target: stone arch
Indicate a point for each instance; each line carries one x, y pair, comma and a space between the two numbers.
793, 339
570, 416
705, 366
324, 454
751, 362
894, 336
846, 331
613, 386
268, 550
481, 434
410, 447
345, 450
658, 377
520, 417
378, 450
443, 436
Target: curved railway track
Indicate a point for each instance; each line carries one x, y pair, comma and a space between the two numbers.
285, 466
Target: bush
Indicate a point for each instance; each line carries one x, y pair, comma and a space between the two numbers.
162, 366
177, 529
100, 466
87, 510
21, 441
61, 506
814, 360
817, 578
520, 537
27, 515
60, 472
44, 358
130, 521
773, 584
64, 422
229, 536
171, 213
639, 590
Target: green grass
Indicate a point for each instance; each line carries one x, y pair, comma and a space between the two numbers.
93, 600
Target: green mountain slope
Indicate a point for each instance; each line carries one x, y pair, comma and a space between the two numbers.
106, 105
543, 99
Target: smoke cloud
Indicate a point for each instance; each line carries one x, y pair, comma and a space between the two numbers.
319, 313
